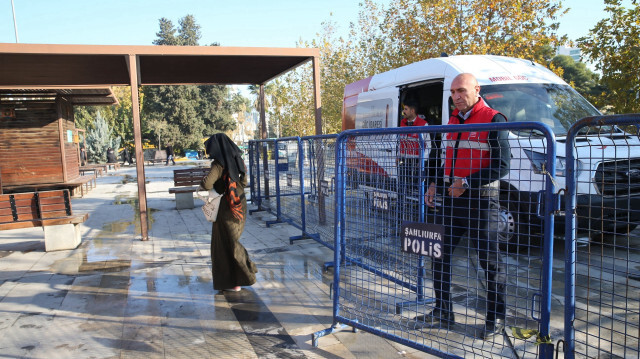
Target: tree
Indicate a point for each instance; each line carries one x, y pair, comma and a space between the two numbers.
407, 31
579, 77
189, 32
184, 115
272, 116
215, 107
167, 34
118, 117
99, 139
613, 45
427, 28
295, 94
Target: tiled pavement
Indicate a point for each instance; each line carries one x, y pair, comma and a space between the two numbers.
118, 297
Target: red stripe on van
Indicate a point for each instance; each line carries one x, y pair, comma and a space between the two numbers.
357, 87
361, 163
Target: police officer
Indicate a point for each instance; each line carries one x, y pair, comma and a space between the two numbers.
409, 155
473, 163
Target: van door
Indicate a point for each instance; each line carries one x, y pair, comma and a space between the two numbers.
429, 99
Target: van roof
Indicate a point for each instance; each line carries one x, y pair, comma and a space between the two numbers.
488, 69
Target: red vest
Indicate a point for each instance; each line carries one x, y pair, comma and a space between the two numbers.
409, 143
473, 153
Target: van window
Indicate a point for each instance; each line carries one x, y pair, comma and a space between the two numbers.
558, 106
429, 99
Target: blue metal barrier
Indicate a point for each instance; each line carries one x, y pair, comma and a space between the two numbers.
290, 185
253, 173
262, 162
602, 257
319, 174
376, 274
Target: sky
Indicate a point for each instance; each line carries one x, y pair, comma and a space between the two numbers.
260, 23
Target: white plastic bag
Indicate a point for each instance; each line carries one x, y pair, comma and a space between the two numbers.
211, 205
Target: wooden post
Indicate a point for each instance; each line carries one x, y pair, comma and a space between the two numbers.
322, 215
137, 138
62, 136
263, 135
317, 100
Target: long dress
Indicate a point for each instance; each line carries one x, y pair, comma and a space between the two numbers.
231, 265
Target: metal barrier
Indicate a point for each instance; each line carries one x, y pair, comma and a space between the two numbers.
602, 246
319, 174
301, 190
262, 166
290, 185
253, 173
380, 288
388, 256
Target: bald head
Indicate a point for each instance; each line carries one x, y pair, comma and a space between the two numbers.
465, 91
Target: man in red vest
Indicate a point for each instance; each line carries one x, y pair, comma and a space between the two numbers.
473, 163
409, 157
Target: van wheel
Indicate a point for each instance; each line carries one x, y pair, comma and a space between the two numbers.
513, 224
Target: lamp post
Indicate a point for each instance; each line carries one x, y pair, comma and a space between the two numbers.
15, 24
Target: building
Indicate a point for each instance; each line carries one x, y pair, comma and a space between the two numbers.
573, 52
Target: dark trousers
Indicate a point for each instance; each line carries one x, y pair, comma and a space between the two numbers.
478, 215
409, 175
408, 185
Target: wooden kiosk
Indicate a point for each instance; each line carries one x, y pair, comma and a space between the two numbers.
39, 147
40, 162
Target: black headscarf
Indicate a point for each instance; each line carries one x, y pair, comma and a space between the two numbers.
223, 150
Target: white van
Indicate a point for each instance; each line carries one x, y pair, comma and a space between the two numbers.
523, 91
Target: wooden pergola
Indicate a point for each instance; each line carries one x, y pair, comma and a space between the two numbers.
69, 67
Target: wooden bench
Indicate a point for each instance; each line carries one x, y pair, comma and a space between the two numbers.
85, 183
115, 165
186, 182
94, 171
97, 168
50, 210
159, 156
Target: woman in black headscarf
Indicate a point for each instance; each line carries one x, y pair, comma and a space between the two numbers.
231, 265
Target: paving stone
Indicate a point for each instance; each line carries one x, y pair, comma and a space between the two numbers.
118, 297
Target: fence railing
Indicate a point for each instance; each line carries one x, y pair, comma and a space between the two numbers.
389, 266
261, 167
360, 193
602, 250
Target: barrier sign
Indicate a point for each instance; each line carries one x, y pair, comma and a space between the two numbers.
380, 200
283, 167
425, 239
324, 188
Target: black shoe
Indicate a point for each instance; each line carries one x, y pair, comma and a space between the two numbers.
493, 328
435, 316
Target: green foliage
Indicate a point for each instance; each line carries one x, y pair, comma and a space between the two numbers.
216, 107
408, 31
189, 32
579, 77
167, 34
183, 115
613, 45
272, 107
99, 138
118, 117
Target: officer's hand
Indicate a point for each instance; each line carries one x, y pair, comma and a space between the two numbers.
431, 194
457, 188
